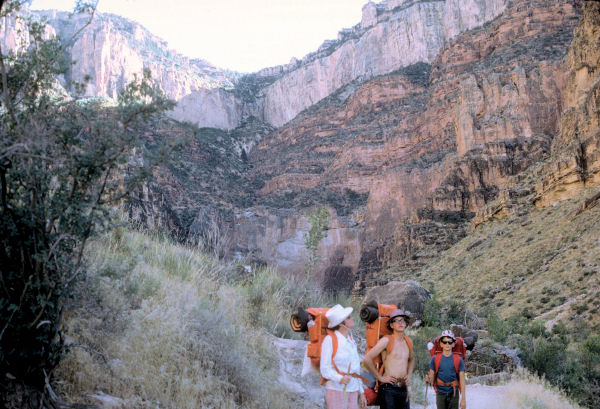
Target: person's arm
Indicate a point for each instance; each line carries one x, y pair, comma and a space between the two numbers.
462, 386
370, 364
430, 375
411, 368
326, 365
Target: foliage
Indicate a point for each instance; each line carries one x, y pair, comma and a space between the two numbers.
187, 330
319, 224
63, 163
569, 363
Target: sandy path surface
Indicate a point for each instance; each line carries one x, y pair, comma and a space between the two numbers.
478, 397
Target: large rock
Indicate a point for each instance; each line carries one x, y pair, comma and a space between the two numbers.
292, 353
276, 236
470, 336
408, 295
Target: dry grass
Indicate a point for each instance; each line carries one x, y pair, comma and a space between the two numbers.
544, 261
530, 392
159, 325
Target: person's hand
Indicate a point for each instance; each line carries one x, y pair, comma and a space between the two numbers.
363, 401
346, 380
387, 379
463, 403
408, 380
426, 379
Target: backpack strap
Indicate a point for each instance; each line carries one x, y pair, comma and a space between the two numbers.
438, 382
410, 346
334, 348
456, 359
388, 350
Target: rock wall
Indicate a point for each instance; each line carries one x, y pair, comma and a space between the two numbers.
277, 235
575, 161
212, 108
112, 50
391, 35
428, 144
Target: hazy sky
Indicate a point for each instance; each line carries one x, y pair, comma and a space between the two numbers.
242, 35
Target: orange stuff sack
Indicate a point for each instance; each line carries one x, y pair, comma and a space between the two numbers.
313, 321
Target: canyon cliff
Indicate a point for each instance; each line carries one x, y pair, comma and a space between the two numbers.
409, 157
411, 128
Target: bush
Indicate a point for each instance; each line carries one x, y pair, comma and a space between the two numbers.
62, 165
572, 366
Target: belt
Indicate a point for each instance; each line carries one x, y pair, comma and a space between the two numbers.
398, 384
455, 385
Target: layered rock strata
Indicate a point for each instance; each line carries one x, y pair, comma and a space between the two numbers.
391, 35
428, 144
575, 160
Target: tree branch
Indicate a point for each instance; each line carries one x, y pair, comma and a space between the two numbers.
5, 91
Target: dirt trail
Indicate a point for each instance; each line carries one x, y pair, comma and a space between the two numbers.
478, 397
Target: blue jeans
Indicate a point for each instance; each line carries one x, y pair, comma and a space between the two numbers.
393, 397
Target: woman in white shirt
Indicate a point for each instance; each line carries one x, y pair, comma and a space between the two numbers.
342, 390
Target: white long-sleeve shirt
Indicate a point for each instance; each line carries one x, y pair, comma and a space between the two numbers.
347, 354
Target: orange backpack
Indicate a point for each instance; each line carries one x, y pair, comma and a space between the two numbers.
315, 322
376, 323
377, 328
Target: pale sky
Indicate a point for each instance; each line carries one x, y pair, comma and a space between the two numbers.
241, 35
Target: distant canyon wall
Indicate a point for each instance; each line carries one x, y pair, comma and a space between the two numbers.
429, 144
391, 35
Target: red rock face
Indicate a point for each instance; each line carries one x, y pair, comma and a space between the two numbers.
575, 161
430, 145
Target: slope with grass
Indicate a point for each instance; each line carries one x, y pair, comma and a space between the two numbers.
545, 263
155, 324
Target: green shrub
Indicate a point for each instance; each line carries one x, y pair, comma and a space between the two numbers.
64, 164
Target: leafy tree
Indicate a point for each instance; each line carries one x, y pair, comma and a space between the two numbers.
64, 162
319, 224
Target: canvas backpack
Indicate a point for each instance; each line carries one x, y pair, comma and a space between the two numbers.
315, 322
459, 350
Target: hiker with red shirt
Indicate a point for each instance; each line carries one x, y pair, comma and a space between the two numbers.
342, 390
398, 365
449, 378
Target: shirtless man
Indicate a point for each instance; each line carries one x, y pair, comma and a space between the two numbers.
398, 366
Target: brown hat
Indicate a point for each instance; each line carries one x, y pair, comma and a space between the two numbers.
398, 313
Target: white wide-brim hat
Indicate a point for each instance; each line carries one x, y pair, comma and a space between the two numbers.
337, 314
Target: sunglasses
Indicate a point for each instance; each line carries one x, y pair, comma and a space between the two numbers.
399, 320
447, 342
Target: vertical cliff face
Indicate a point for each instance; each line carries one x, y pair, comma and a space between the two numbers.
575, 161
423, 148
112, 49
391, 35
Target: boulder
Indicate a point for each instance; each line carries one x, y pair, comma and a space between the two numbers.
470, 336
408, 295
